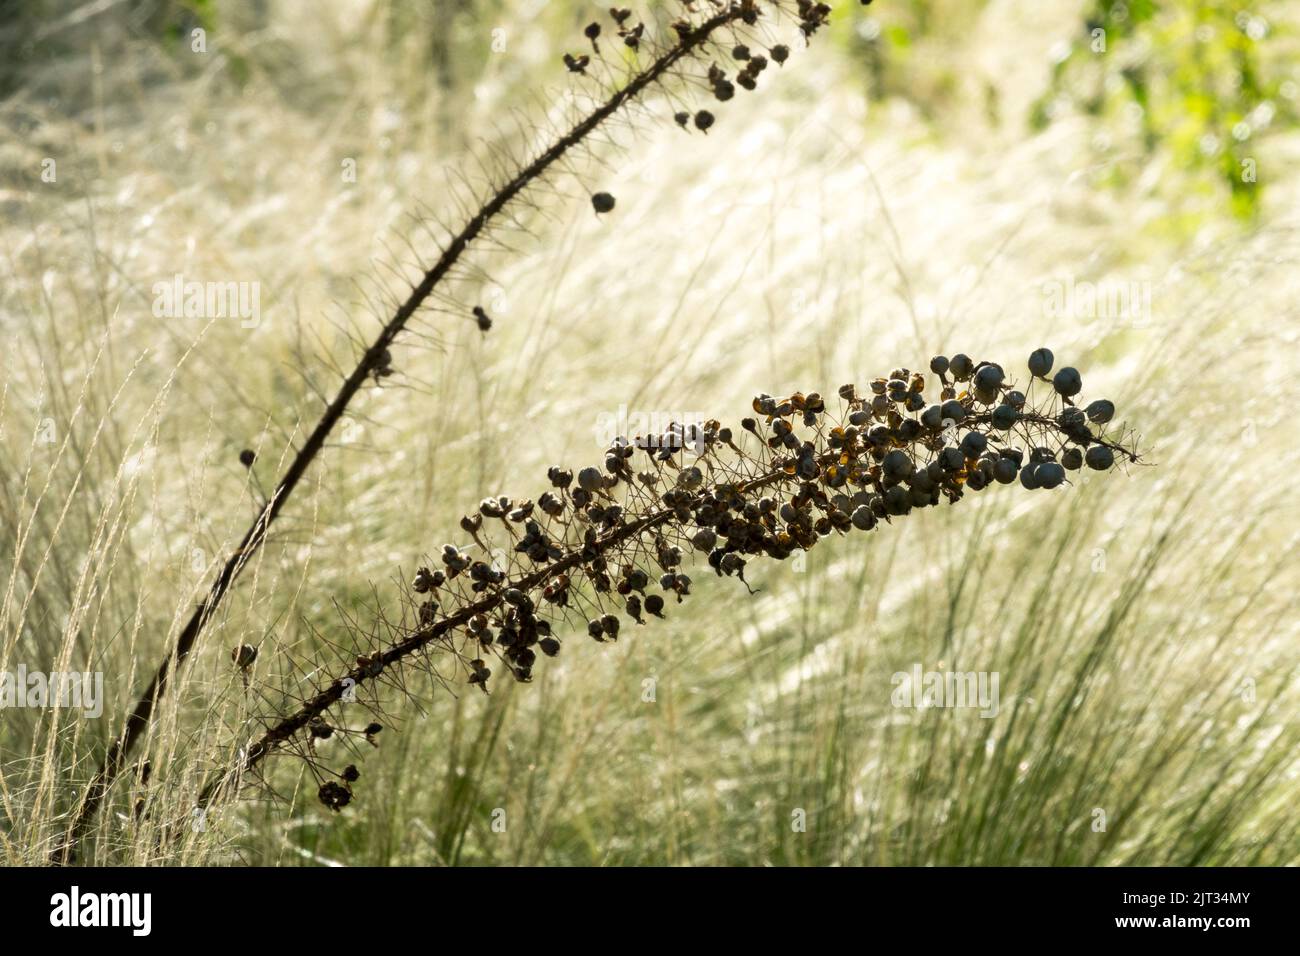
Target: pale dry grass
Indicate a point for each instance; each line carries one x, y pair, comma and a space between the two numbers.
808, 240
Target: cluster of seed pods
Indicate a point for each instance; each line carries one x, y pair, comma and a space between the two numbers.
608, 547
605, 549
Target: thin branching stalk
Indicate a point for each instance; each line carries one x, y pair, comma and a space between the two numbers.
692, 39
599, 544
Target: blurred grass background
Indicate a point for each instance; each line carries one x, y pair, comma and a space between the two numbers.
913, 183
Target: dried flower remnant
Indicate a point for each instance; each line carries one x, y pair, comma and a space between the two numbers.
613, 545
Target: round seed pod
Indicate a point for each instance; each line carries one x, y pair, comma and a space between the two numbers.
939, 364
1072, 459
1100, 412
863, 518
932, 417
1099, 458
1049, 474
977, 481
961, 366
973, 444
923, 480
1040, 362
919, 498
897, 465
1004, 416
951, 459
1015, 454
602, 202
1067, 382
595, 629
1029, 476
654, 604
1070, 417
986, 396
910, 430
704, 539
591, 480
955, 410
1016, 399
549, 645
989, 377
897, 500
703, 120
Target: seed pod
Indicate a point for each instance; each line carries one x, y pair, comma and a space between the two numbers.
704, 540
602, 202
1067, 382
654, 604
939, 364
780, 53
961, 366
1049, 474
951, 459
897, 465
1099, 458
1015, 399
863, 518
1004, 471
954, 410
1100, 412
1004, 417
244, 655
989, 377
973, 444
549, 645
932, 417
1029, 476
1072, 459
591, 480
247, 457
703, 120
1040, 362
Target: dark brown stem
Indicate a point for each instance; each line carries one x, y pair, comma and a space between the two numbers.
138, 722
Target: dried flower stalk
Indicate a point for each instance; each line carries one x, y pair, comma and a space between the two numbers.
594, 547
695, 37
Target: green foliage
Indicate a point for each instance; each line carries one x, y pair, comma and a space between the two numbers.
1198, 82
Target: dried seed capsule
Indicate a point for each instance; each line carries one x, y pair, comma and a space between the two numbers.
897, 465
939, 364
591, 480
549, 645
973, 444
1067, 382
989, 377
780, 53
1100, 412
961, 366
1004, 416
954, 411
1004, 471
1029, 476
1099, 458
595, 629
1050, 474
951, 460
1015, 399
1072, 459
704, 540
863, 518
602, 202
703, 120
247, 457
933, 417
1040, 362
244, 655
654, 604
